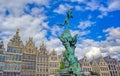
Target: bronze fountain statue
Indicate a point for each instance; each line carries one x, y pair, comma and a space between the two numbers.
70, 64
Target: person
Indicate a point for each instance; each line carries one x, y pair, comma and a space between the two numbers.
66, 21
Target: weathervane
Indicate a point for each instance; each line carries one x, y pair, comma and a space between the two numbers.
68, 16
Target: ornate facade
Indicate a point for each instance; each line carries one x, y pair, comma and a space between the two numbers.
42, 61
104, 70
29, 59
95, 66
20, 60
105, 66
54, 63
112, 64
85, 65
118, 67
13, 56
2, 58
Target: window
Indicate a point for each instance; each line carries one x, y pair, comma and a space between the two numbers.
33, 64
1, 66
18, 57
2, 58
46, 59
9, 49
12, 57
29, 56
1, 51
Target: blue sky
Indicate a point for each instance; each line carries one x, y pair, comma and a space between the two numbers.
95, 21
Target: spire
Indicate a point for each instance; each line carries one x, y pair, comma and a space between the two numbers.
85, 58
30, 38
43, 46
17, 31
30, 43
54, 52
43, 43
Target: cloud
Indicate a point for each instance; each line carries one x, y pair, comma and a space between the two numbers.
16, 8
85, 24
78, 8
30, 25
109, 46
55, 43
34, 24
55, 30
80, 33
37, 11
113, 33
99, 37
112, 5
86, 5
114, 49
112, 42
62, 9
77, 1
86, 47
94, 5
94, 51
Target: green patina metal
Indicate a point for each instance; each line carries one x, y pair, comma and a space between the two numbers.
70, 64
66, 22
69, 61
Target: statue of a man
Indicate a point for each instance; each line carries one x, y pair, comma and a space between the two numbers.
71, 64
69, 15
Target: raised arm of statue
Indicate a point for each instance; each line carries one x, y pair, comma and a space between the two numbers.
69, 13
66, 21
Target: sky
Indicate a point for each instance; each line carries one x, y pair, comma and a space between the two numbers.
97, 23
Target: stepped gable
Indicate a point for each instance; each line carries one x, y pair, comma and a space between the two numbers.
30, 44
99, 59
16, 40
108, 59
84, 59
30, 47
94, 62
43, 50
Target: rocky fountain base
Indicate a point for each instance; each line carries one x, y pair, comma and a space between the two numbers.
70, 65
